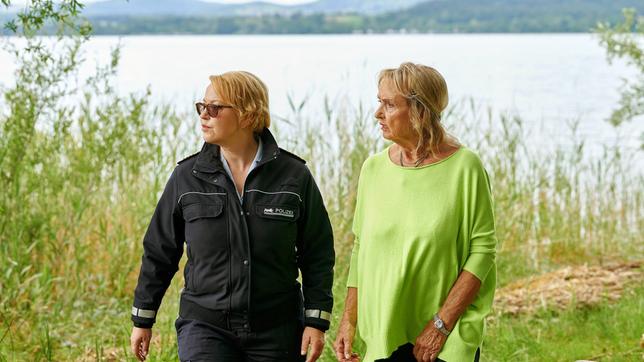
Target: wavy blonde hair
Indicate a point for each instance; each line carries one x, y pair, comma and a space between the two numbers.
426, 92
247, 94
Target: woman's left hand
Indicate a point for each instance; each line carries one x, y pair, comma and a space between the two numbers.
428, 344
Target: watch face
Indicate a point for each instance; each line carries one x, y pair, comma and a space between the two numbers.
438, 324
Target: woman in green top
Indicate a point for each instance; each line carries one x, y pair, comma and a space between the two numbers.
422, 272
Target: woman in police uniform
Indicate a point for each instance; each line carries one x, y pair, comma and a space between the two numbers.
252, 217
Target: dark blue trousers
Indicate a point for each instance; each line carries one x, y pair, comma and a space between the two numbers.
200, 341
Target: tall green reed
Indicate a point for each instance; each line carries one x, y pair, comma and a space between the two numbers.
80, 166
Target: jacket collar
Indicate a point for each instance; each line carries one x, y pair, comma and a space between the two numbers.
208, 159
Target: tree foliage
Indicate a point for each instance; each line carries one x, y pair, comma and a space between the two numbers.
625, 40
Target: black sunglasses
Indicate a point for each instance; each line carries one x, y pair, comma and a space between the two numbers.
213, 109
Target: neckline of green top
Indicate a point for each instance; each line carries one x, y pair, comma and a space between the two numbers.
419, 167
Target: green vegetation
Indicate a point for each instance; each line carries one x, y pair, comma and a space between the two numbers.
82, 168
507, 16
79, 168
623, 41
609, 332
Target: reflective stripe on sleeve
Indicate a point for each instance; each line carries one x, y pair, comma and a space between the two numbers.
144, 313
316, 313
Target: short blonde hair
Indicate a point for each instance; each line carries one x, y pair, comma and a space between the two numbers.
426, 92
247, 94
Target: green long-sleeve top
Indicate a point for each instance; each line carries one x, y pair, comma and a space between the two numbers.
415, 230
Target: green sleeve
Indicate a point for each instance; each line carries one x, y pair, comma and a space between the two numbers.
483, 235
352, 281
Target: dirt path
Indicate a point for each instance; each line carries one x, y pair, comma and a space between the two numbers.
582, 285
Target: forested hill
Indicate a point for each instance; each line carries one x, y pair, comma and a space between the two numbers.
514, 16
108, 8
443, 16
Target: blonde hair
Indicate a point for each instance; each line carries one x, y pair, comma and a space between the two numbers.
426, 92
247, 94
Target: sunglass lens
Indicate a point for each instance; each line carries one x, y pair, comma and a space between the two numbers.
213, 110
200, 107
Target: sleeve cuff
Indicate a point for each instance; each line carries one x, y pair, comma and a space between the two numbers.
317, 318
316, 323
143, 325
352, 280
143, 318
479, 265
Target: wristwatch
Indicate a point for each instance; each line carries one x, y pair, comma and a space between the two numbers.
440, 325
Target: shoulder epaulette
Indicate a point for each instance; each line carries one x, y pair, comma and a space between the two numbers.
292, 155
189, 157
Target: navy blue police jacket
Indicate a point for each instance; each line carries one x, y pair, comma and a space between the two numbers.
243, 257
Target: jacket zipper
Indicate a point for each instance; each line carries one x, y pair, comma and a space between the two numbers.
241, 206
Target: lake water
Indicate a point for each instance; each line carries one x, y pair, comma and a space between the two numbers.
547, 79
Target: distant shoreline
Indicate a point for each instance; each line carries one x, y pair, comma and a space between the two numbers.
429, 17
314, 34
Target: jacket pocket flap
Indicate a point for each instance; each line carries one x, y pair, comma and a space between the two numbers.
278, 212
199, 211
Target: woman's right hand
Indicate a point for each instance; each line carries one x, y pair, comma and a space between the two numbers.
140, 342
344, 342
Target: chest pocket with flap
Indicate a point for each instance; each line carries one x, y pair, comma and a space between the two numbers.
194, 212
